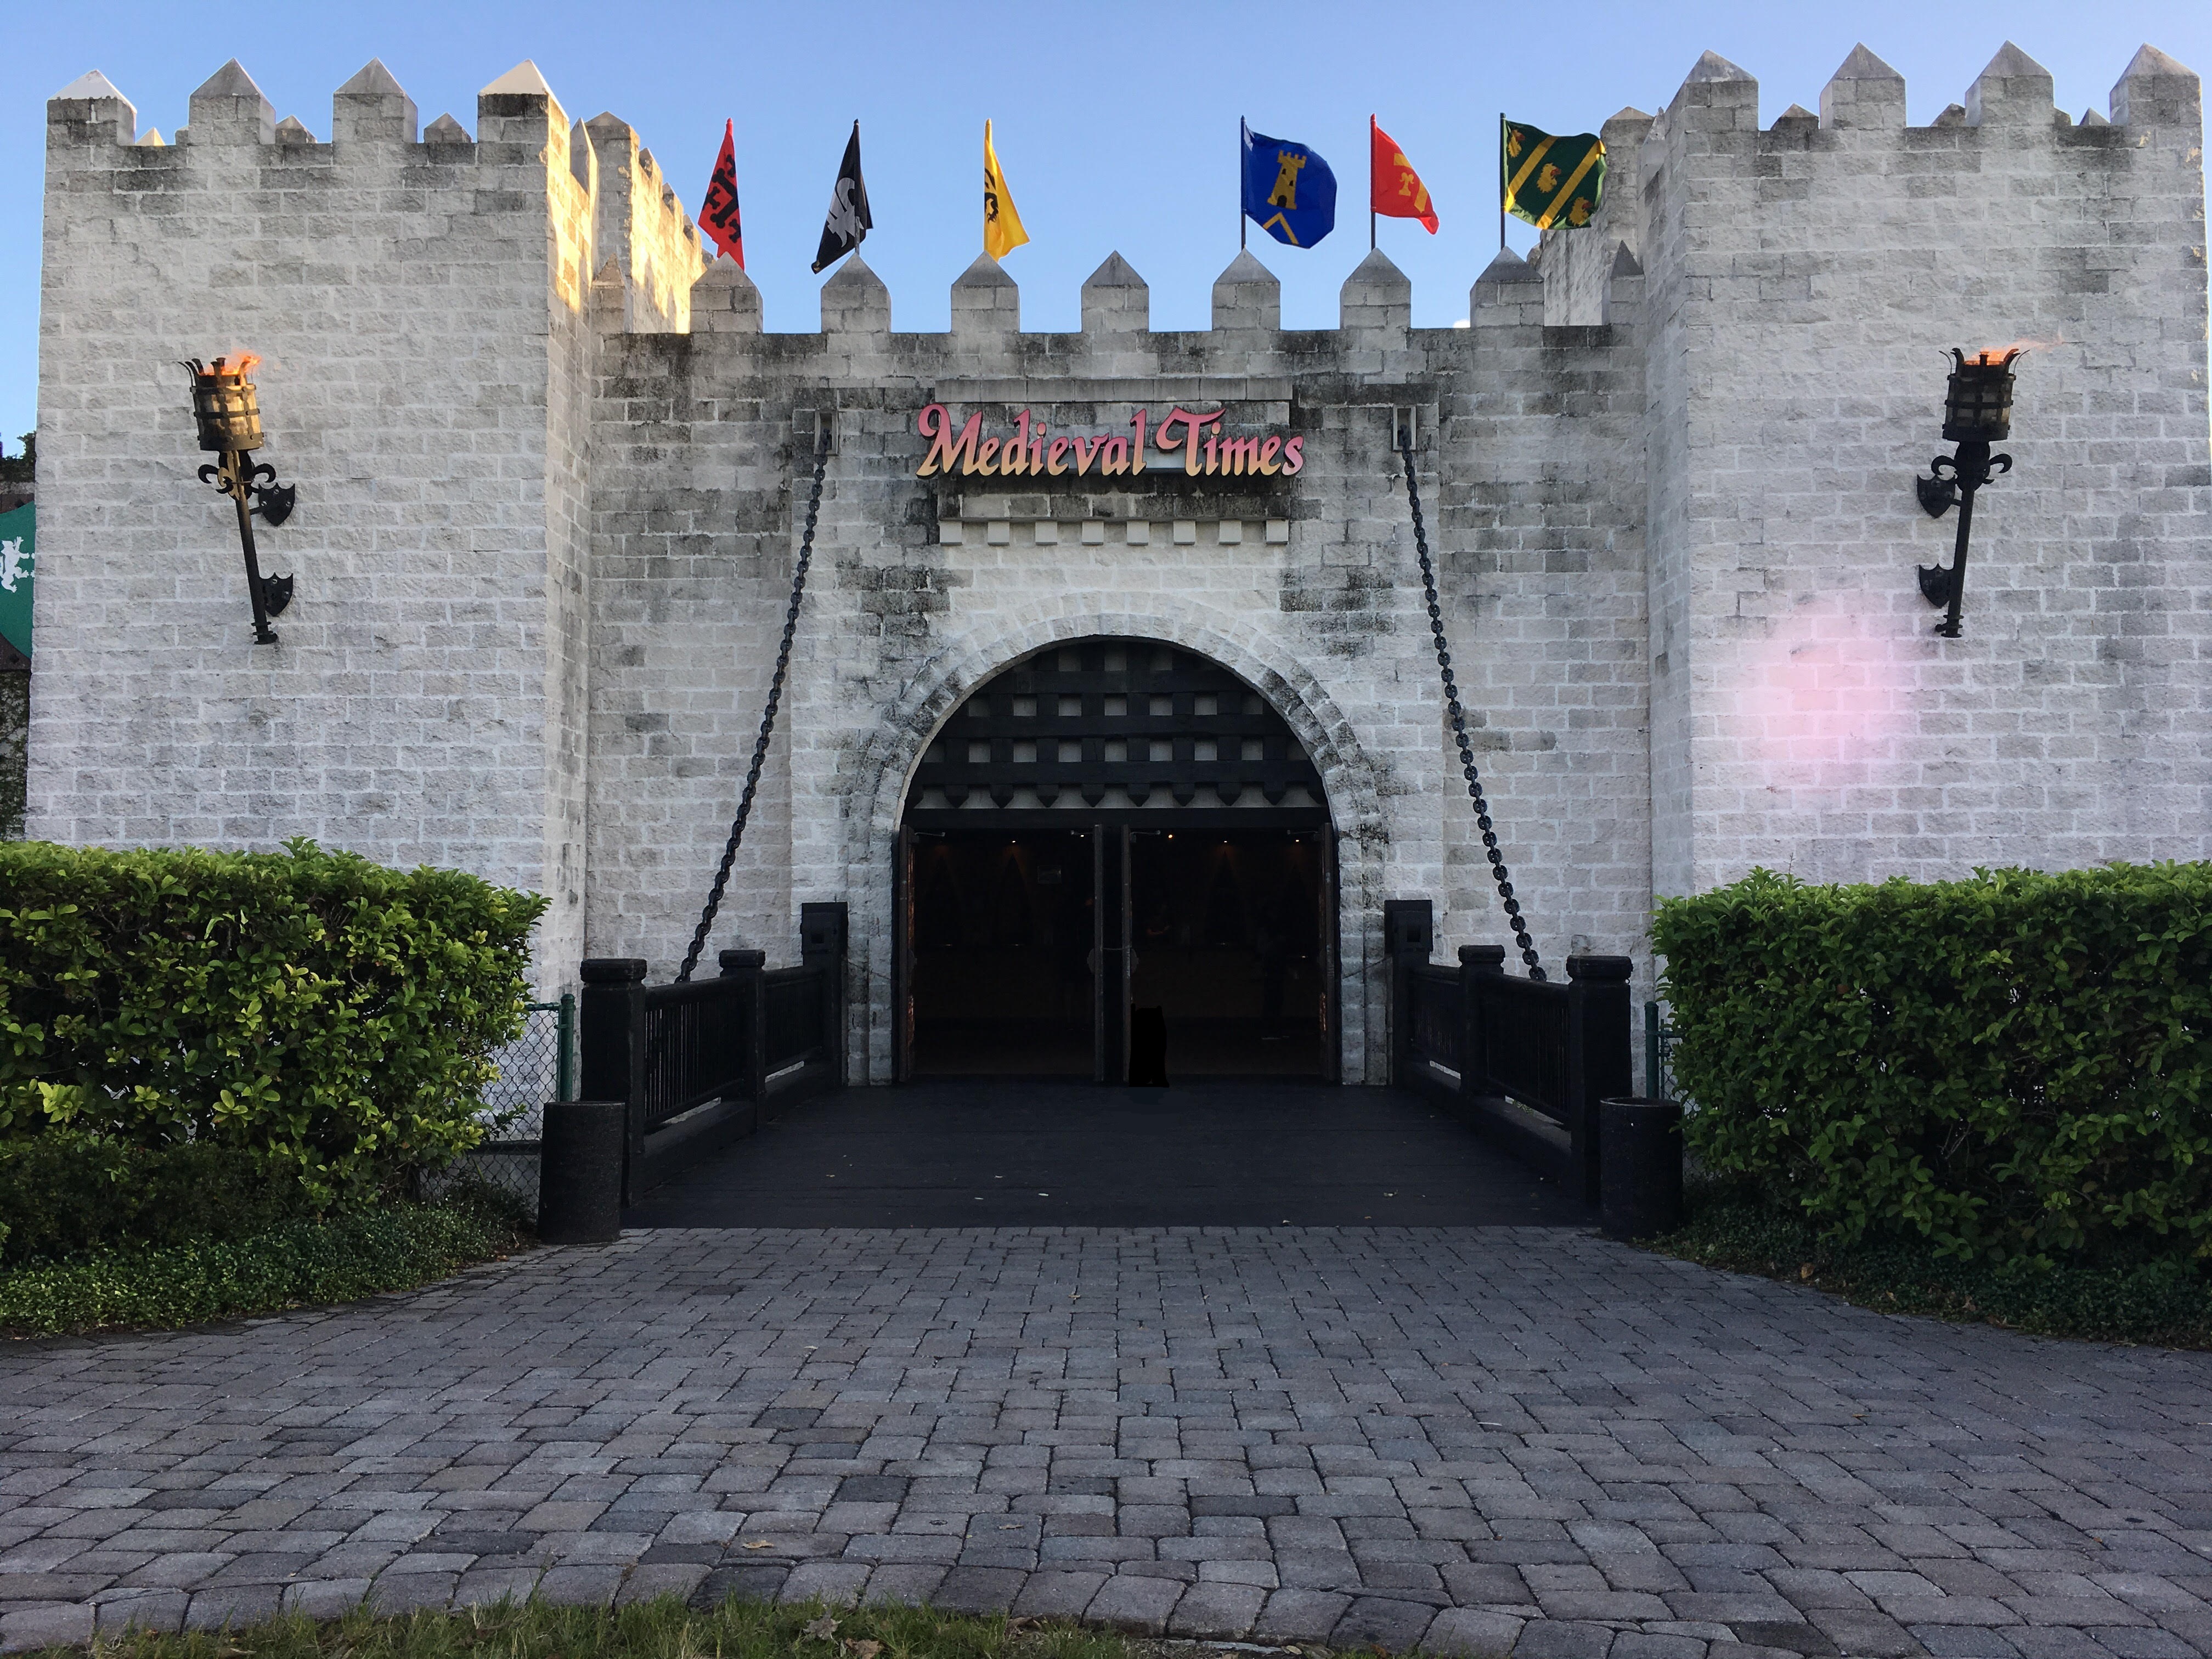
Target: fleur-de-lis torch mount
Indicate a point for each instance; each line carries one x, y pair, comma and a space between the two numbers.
228, 413
1977, 412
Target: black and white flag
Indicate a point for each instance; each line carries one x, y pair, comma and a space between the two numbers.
847, 222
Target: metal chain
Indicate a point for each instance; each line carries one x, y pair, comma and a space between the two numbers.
768, 716
1498, 870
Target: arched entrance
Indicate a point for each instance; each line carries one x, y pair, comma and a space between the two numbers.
1111, 827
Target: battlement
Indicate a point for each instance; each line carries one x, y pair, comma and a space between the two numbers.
1814, 172
603, 192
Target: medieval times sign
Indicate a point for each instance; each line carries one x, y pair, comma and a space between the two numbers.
1189, 438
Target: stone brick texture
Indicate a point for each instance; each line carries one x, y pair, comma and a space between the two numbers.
553, 476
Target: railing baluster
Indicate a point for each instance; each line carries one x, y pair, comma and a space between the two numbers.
613, 1020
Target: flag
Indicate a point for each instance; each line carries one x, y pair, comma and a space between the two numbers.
1002, 220
1395, 190
1289, 191
717, 212
847, 223
1549, 182
18, 564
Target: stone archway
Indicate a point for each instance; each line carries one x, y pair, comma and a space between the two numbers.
874, 773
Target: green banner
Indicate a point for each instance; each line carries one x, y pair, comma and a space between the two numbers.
1549, 180
17, 543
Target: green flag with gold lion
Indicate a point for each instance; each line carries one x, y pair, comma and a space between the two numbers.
1549, 180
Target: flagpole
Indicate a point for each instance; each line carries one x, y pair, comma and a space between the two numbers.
1240, 185
1371, 183
1501, 181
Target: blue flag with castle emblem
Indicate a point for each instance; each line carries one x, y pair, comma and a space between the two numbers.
1289, 191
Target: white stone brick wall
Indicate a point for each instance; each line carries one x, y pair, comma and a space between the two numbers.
397, 293
1805, 277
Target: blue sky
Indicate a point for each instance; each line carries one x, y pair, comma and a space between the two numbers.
1117, 124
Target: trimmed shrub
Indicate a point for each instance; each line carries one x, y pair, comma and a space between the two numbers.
330, 1017
2163, 1301
63, 1197
2012, 1065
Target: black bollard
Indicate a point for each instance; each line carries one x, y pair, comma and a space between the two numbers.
1148, 1048
1640, 1166
579, 1172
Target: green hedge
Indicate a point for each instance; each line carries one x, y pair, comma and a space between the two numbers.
331, 1017
61, 1196
2163, 1301
2012, 1065
338, 1258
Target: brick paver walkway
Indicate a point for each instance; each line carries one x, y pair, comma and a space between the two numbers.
1460, 1438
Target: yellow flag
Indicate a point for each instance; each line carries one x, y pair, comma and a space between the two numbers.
1002, 223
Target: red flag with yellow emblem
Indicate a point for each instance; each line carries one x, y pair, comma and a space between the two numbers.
1395, 190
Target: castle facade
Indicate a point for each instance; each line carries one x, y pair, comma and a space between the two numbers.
554, 479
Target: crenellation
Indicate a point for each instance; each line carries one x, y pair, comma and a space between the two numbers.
2156, 91
229, 110
1864, 93
1247, 296
724, 300
371, 109
88, 112
2014, 90
986, 303
1116, 299
1376, 298
856, 303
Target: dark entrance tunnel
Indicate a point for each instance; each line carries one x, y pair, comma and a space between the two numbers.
1112, 833
1002, 958
1224, 926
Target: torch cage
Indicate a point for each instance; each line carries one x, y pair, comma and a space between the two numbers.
226, 407
1978, 403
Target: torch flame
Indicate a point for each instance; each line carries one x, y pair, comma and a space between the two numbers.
1996, 356
242, 365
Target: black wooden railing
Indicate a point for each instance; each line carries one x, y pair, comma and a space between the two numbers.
698, 1065
1527, 1060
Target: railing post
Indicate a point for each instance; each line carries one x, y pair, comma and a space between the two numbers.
1651, 1089
1600, 1054
613, 1021
1409, 928
564, 1061
747, 967
1477, 963
821, 943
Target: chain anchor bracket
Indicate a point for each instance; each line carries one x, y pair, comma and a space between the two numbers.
1402, 438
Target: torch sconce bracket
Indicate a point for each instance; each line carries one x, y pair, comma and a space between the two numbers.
267, 500
1937, 496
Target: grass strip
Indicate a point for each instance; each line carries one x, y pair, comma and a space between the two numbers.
664, 1628
338, 1258
2165, 1303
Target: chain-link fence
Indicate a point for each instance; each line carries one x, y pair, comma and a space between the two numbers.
538, 1066
1658, 1055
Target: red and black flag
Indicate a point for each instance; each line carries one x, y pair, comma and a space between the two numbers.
847, 222
718, 214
